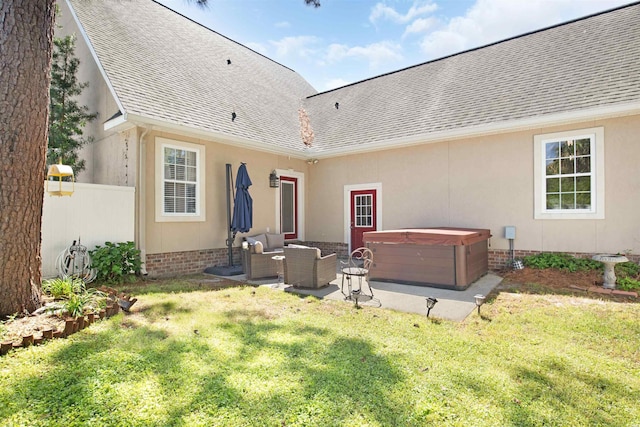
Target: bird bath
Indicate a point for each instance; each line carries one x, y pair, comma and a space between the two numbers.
610, 262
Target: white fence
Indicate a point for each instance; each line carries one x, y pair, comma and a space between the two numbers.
94, 214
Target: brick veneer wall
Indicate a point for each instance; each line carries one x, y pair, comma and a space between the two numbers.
189, 262
339, 248
499, 259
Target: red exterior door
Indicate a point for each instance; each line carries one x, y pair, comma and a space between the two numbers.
363, 215
289, 207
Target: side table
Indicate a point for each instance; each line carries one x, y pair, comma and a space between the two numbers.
279, 259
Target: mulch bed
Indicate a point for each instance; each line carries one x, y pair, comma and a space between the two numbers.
552, 281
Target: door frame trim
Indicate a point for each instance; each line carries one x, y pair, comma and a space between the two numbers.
377, 186
300, 196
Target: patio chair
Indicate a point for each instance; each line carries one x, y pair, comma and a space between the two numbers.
305, 268
355, 271
257, 257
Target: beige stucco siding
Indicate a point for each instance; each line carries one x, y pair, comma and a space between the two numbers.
165, 237
485, 182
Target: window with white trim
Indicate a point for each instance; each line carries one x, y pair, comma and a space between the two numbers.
569, 181
179, 181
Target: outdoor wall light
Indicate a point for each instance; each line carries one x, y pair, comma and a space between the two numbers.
245, 245
274, 181
431, 301
479, 301
312, 161
60, 171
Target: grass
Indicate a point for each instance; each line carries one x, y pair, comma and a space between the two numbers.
257, 357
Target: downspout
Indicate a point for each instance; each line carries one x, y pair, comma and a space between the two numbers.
142, 204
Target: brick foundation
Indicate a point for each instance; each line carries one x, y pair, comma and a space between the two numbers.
341, 249
188, 262
191, 262
499, 259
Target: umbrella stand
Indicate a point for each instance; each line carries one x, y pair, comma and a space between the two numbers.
230, 269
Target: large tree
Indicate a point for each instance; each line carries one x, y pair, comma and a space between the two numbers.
26, 41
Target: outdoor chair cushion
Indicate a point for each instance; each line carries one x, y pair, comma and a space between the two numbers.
270, 242
262, 238
275, 241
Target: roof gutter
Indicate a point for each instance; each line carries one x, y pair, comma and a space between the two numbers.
128, 120
555, 119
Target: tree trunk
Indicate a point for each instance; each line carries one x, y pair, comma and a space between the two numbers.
26, 36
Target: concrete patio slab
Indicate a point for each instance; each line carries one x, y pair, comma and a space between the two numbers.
452, 305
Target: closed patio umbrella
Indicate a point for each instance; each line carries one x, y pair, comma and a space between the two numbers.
242, 217
243, 204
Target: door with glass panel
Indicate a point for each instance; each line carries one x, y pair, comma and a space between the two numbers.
363, 215
289, 207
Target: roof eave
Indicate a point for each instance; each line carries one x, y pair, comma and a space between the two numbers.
549, 120
127, 121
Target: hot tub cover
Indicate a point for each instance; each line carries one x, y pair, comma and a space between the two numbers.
447, 236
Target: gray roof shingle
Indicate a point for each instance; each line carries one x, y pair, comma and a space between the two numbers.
166, 67
582, 64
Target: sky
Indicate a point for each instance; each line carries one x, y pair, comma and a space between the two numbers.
345, 41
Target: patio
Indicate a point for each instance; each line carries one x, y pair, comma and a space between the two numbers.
452, 305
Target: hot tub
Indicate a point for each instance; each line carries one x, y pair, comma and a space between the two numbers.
443, 257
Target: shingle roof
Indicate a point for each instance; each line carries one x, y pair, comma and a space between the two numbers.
166, 67
582, 64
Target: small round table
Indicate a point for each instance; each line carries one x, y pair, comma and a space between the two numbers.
352, 293
279, 259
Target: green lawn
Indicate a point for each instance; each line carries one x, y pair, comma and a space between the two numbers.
257, 357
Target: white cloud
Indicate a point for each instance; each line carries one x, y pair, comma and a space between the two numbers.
375, 53
488, 21
420, 25
283, 24
303, 46
419, 8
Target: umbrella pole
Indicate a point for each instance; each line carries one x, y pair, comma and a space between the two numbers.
230, 237
227, 270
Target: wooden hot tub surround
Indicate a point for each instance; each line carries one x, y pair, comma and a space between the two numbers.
445, 257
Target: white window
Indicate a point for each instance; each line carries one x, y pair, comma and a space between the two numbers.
569, 175
179, 181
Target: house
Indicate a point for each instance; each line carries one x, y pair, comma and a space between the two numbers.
540, 132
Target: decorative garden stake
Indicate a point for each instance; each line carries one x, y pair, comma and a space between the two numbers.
479, 301
431, 301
